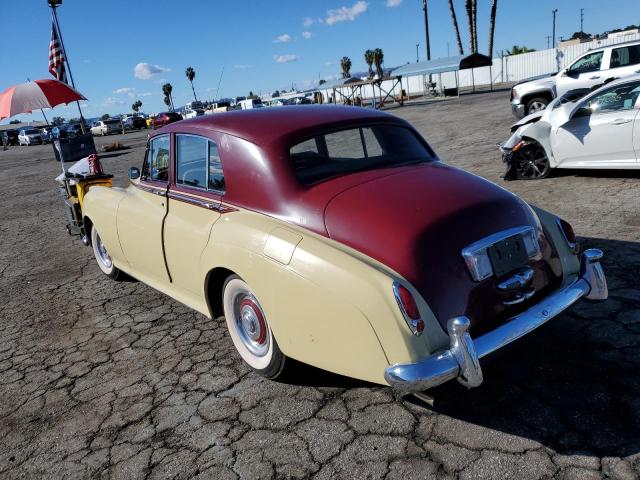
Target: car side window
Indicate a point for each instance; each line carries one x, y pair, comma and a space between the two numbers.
156, 164
191, 158
216, 175
623, 56
614, 99
588, 63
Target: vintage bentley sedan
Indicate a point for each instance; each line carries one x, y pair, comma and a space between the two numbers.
335, 236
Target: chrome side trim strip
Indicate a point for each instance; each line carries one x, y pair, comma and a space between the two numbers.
461, 359
196, 201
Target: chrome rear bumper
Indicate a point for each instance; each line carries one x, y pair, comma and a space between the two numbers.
461, 360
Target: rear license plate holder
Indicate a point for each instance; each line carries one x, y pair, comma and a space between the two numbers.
507, 255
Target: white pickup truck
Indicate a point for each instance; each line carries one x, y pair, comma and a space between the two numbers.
595, 67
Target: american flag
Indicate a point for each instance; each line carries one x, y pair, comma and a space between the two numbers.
56, 56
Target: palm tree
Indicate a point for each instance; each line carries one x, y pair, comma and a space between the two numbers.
455, 26
368, 57
378, 59
468, 5
167, 89
136, 106
345, 64
474, 13
191, 74
167, 101
492, 26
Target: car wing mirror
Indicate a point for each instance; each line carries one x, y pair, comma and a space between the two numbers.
134, 173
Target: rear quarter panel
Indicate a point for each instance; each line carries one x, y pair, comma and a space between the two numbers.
329, 306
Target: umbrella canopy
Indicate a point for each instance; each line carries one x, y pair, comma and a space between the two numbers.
26, 97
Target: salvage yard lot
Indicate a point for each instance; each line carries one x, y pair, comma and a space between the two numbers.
119, 381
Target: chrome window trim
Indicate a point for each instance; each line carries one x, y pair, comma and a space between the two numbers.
206, 156
146, 158
471, 252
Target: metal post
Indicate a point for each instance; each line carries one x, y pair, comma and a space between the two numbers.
66, 59
417, 55
554, 11
426, 31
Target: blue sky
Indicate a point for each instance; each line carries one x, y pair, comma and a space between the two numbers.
262, 45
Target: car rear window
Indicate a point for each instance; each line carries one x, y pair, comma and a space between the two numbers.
356, 149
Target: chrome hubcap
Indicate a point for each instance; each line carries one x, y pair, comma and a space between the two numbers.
251, 325
103, 256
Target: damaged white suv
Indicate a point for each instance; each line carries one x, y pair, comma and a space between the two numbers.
594, 68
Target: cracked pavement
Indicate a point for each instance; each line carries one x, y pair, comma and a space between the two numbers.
115, 380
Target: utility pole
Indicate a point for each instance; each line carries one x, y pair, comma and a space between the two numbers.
54, 4
426, 31
548, 37
417, 54
554, 27
581, 20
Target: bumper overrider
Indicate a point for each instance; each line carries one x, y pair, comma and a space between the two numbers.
462, 359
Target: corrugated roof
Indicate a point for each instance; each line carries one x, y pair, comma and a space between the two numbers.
441, 65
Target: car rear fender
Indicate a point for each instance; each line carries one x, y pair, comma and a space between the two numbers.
326, 304
568, 258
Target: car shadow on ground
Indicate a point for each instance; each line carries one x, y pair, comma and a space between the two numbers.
595, 173
572, 385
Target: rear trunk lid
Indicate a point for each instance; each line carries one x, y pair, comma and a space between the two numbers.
418, 220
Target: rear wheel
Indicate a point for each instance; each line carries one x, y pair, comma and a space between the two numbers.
249, 329
531, 162
102, 257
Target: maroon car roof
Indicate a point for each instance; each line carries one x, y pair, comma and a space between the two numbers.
263, 125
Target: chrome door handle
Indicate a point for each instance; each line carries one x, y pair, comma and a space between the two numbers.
620, 121
595, 77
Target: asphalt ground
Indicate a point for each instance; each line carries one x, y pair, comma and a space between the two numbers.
115, 380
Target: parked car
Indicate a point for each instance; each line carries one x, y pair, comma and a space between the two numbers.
11, 136
134, 123
582, 129
74, 130
595, 67
284, 231
106, 127
30, 136
165, 118
249, 103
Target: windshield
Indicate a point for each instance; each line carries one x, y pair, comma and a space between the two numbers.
572, 96
355, 150
31, 132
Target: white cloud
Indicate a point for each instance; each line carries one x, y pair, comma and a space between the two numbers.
344, 14
393, 3
124, 90
241, 66
306, 35
308, 22
284, 38
286, 58
144, 71
145, 94
329, 63
112, 102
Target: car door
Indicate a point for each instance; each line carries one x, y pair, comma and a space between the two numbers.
194, 206
142, 212
583, 73
600, 131
624, 61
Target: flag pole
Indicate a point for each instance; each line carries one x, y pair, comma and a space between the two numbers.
54, 4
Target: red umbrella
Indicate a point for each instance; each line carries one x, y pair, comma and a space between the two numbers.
26, 97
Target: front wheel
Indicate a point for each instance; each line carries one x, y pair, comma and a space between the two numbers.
102, 257
536, 105
531, 162
249, 329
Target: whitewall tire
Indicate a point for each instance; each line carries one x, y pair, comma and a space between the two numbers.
102, 256
249, 329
